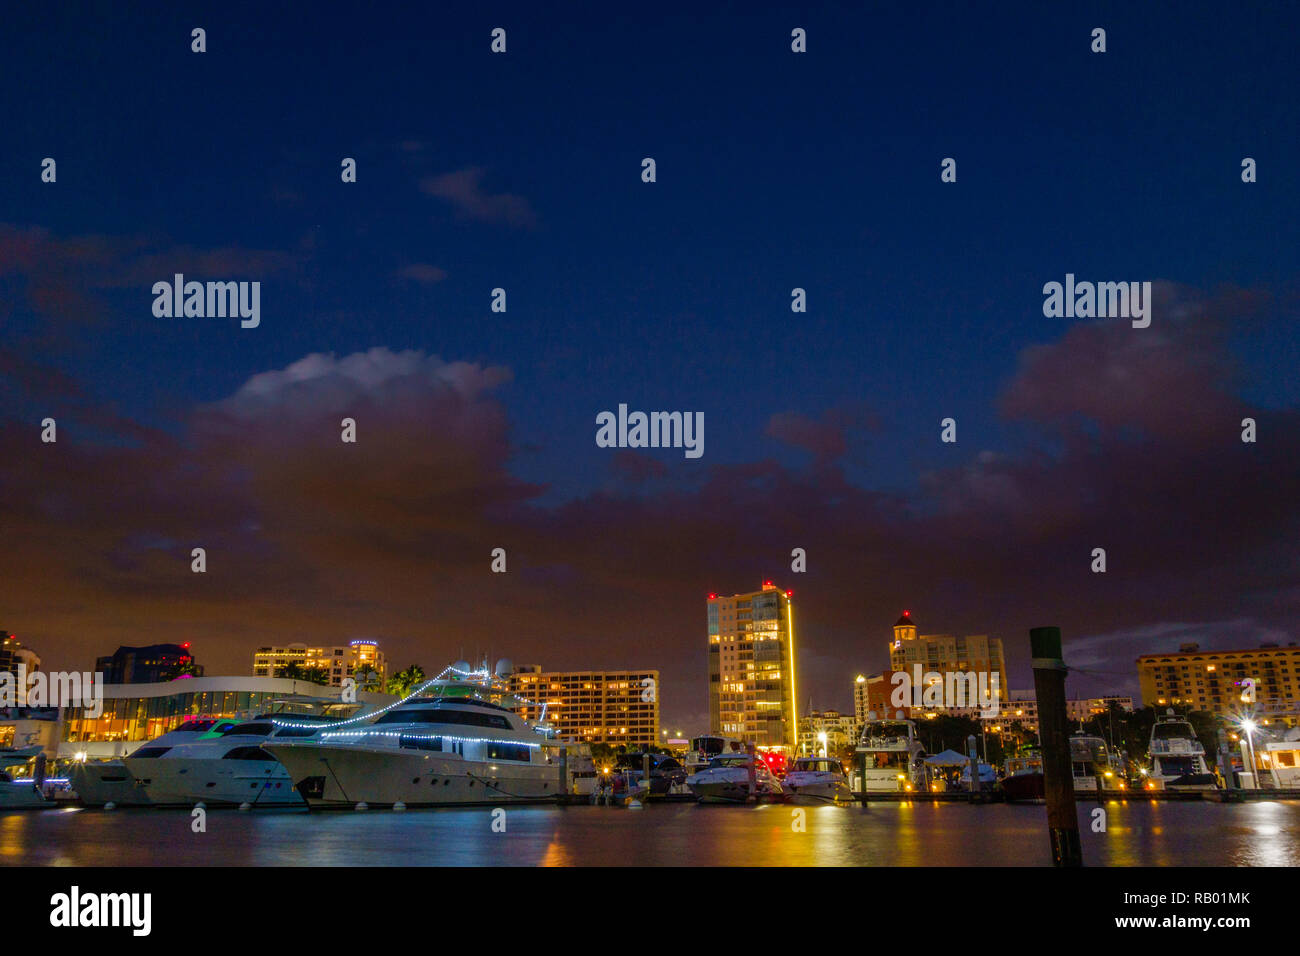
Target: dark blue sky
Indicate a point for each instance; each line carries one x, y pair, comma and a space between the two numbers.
775, 170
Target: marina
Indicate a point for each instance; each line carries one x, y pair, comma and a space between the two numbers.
901, 833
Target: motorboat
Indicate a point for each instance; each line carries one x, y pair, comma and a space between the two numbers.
988, 778
457, 747
727, 780
1177, 757
817, 780
707, 746
1022, 778
100, 782
229, 768
1094, 766
666, 772
889, 755
21, 794
1281, 759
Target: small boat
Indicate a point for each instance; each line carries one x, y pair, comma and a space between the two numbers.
817, 780
1022, 781
666, 772
988, 778
707, 746
1092, 763
726, 780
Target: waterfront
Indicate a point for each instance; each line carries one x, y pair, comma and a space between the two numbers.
1263, 833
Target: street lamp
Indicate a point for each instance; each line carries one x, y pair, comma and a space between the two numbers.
821, 739
1249, 726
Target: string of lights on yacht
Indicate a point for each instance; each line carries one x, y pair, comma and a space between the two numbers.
409, 736
371, 715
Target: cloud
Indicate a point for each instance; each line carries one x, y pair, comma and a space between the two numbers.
311, 538
463, 189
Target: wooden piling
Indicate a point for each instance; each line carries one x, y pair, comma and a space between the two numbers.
1053, 727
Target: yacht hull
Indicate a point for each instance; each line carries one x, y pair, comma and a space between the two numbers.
340, 776
104, 782
184, 782
1024, 788
22, 795
814, 790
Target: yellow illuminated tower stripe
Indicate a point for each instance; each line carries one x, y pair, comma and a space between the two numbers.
794, 693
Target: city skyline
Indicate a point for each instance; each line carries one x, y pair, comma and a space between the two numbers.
477, 430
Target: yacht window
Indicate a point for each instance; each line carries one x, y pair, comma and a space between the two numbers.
508, 752
151, 751
296, 731
247, 753
415, 742
258, 729
466, 718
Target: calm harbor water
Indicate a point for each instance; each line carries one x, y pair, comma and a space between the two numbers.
883, 834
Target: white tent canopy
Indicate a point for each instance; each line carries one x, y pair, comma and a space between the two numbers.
949, 758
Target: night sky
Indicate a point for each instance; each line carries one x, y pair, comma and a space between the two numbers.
476, 429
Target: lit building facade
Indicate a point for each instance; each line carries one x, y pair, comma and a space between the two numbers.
1216, 680
871, 693
752, 667
134, 713
600, 707
1021, 706
945, 654
337, 662
147, 665
840, 732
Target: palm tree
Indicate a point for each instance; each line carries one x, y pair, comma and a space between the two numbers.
404, 681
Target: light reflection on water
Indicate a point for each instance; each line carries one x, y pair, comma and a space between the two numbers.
882, 834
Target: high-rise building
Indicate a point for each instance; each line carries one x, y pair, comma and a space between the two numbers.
752, 667
337, 662
147, 665
871, 695
1217, 681
601, 707
946, 654
12, 653
826, 730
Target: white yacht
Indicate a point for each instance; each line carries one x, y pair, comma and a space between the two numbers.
229, 768
816, 780
1177, 757
1281, 759
455, 748
1091, 761
20, 794
707, 746
892, 755
99, 782
726, 780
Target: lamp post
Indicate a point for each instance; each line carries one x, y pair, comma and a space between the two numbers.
1248, 726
